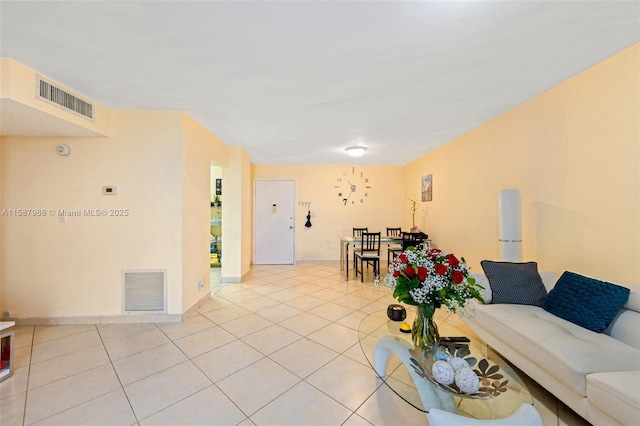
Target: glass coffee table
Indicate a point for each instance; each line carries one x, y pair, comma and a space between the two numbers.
406, 369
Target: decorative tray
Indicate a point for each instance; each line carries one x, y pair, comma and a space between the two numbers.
491, 383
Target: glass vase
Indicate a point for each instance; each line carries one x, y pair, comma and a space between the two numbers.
424, 332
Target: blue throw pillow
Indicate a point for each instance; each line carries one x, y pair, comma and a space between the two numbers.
515, 283
585, 301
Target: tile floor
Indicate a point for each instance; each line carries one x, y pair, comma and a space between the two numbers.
280, 348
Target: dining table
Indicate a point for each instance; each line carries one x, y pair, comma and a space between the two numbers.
348, 240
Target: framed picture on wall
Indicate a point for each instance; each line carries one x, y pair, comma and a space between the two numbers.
218, 186
427, 187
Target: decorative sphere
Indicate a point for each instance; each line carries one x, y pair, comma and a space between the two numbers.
467, 381
458, 363
443, 372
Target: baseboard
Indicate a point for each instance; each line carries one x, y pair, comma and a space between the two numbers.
101, 319
196, 306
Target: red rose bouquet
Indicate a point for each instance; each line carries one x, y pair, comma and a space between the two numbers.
431, 279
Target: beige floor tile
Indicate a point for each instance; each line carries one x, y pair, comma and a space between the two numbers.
147, 363
306, 303
305, 323
154, 393
207, 407
12, 410
22, 357
346, 380
58, 396
135, 343
336, 337
229, 313
351, 302
204, 341
328, 295
191, 325
238, 297
303, 357
279, 312
47, 333
230, 288
375, 307
285, 295
267, 381
260, 303
226, 360
110, 332
352, 320
67, 365
331, 311
295, 403
110, 409
246, 325
356, 354
23, 336
265, 288
356, 420
64, 345
271, 339
213, 304
384, 407
15, 384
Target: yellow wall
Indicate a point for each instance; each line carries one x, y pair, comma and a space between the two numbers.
383, 207
199, 148
236, 216
54, 269
573, 152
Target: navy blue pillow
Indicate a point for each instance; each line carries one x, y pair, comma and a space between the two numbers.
514, 283
585, 301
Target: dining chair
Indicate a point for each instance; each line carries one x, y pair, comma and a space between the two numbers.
357, 232
413, 239
393, 249
369, 252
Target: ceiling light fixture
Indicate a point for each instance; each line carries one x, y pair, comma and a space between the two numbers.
356, 151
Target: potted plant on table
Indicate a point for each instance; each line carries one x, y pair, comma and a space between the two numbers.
414, 207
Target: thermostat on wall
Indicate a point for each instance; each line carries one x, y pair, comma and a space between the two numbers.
109, 190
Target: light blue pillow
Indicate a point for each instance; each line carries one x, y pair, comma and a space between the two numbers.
585, 301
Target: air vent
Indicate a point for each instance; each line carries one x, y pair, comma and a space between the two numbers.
53, 94
144, 291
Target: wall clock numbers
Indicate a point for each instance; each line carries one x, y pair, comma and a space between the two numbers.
353, 187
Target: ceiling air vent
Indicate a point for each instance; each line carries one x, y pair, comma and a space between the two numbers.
53, 94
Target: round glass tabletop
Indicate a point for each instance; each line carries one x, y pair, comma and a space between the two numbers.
407, 370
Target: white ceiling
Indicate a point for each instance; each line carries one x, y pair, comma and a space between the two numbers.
297, 82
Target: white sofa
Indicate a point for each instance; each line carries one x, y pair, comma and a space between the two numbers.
596, 374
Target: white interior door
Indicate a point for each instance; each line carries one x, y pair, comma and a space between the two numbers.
274, 227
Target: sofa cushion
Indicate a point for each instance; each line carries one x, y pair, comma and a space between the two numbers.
563, 349
617, 394
585, 301
514, 283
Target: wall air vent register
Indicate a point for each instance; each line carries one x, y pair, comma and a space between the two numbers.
52, 94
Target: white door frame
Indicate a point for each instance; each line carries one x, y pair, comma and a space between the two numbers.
293, 242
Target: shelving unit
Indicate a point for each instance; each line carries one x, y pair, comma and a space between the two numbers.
216, 236
6, 348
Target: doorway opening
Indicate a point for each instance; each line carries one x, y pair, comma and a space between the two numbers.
215, 228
